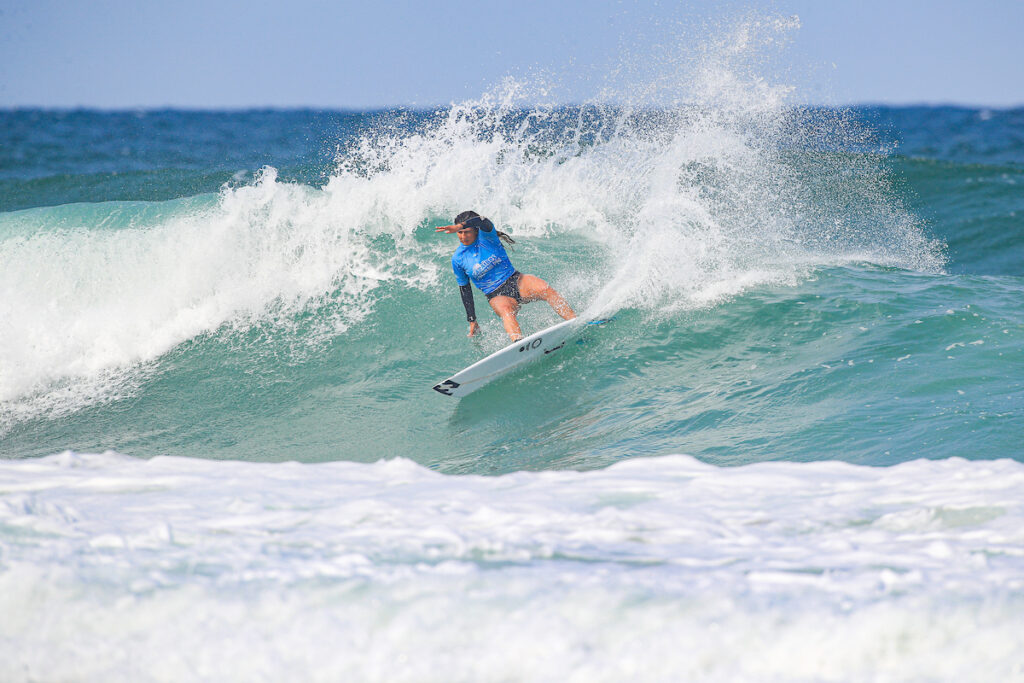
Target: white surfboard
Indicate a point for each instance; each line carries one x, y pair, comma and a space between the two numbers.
536, 346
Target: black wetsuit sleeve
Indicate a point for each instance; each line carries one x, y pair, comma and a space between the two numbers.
484, 224
467, 300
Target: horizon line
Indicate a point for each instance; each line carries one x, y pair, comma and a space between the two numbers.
933, 104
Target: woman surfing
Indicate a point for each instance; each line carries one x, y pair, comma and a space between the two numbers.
481, 258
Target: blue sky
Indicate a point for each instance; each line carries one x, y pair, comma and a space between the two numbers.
216, 54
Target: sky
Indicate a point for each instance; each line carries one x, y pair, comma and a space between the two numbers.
361, 55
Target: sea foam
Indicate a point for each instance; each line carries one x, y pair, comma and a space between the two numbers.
653, 568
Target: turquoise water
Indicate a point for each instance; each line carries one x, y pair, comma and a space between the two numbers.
800, 433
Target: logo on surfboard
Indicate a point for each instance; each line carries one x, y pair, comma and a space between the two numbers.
446, 387
532, 345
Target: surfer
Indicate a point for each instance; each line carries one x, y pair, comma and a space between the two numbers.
481, 258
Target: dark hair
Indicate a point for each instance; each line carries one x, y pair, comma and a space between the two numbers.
466, 215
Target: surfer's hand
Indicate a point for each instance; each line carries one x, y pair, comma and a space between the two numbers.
449, 228
474, 327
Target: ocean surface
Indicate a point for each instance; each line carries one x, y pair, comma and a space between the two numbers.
794, 454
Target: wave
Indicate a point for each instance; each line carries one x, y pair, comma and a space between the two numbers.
93, 303
668, 209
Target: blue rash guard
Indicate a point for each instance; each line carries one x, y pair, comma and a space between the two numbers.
485, 261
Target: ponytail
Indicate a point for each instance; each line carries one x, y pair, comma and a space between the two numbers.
504, 237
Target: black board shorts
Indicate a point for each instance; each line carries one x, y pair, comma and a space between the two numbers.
509, 287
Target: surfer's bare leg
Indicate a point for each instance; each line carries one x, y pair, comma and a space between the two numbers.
506, 308
532, 288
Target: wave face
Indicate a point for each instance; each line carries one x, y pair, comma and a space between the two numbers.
253, 306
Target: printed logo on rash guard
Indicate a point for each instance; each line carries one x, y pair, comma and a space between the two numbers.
484, 267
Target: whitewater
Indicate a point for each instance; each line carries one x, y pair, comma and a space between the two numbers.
175, 568
794, 454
